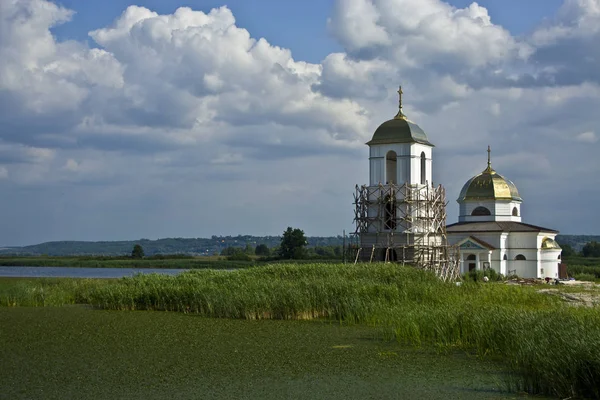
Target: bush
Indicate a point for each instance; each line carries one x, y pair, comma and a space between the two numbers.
585, 277
239, 256
477, 275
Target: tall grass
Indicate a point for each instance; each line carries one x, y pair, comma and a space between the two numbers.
548, 347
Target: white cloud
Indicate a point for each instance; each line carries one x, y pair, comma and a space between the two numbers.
425, 32
587, 137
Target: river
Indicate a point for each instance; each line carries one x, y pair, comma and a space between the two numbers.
77, 272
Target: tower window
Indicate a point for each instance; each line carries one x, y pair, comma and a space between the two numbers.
520, 257
423, 168
505, 257
515, 212
479, 211
390, 167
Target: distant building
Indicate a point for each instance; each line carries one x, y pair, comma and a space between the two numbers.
490, 233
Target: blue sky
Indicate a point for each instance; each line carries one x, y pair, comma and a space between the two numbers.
121, 120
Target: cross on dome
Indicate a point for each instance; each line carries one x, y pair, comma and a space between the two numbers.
400, 114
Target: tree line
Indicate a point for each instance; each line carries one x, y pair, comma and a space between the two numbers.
292, 246
590, 249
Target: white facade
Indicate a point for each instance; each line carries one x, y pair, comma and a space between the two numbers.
400, 163
500, 210
508, 253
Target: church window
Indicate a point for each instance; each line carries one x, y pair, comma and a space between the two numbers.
559, 257
479, 211
505, 257
390, 167
515, 212
520, 257
423, 168
471, 257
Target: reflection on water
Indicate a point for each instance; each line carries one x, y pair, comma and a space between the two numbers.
76, 272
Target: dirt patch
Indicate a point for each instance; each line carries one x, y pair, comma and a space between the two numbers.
584, 298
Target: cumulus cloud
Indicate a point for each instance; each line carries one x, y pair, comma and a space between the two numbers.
189, 74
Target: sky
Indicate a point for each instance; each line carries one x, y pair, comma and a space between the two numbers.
155, 119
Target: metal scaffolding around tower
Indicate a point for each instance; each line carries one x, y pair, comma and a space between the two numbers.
404, 223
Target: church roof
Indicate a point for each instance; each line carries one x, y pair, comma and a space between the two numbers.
489, 185
399, 130
495, 226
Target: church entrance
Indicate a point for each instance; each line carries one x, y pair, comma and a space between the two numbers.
472, 262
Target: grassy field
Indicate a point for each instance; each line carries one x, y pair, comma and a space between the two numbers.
79, 353
546, 346
583, 268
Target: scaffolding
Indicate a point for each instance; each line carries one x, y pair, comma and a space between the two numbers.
404, 223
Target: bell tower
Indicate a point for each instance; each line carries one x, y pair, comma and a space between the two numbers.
400, 216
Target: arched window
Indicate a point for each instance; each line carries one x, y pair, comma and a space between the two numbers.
423, 168
471, 257
515, 212
505, 257
390, 167
559, 257
479, 211
520, 257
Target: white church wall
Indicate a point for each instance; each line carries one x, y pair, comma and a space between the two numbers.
415, 161
524, 268
466, 209
377, 155
499, 210
503, 211
549, 263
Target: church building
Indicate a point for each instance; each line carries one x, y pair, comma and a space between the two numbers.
490, 233
401, 215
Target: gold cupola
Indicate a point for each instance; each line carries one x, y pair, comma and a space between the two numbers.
489, 185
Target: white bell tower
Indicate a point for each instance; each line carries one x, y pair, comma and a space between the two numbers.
400, 215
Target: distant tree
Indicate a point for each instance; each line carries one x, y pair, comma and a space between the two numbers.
591, 249
293, 244
262, 250
229, 251
567, 250
239, 256
249, 250
137, 252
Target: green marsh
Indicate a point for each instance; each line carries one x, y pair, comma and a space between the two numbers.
546, 346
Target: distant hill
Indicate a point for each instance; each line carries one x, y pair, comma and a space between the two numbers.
577, 241
197, 246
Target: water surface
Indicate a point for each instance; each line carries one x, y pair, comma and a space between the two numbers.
77, 272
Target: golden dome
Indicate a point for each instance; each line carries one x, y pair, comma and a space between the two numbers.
399, 129
550, 244
489, 185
